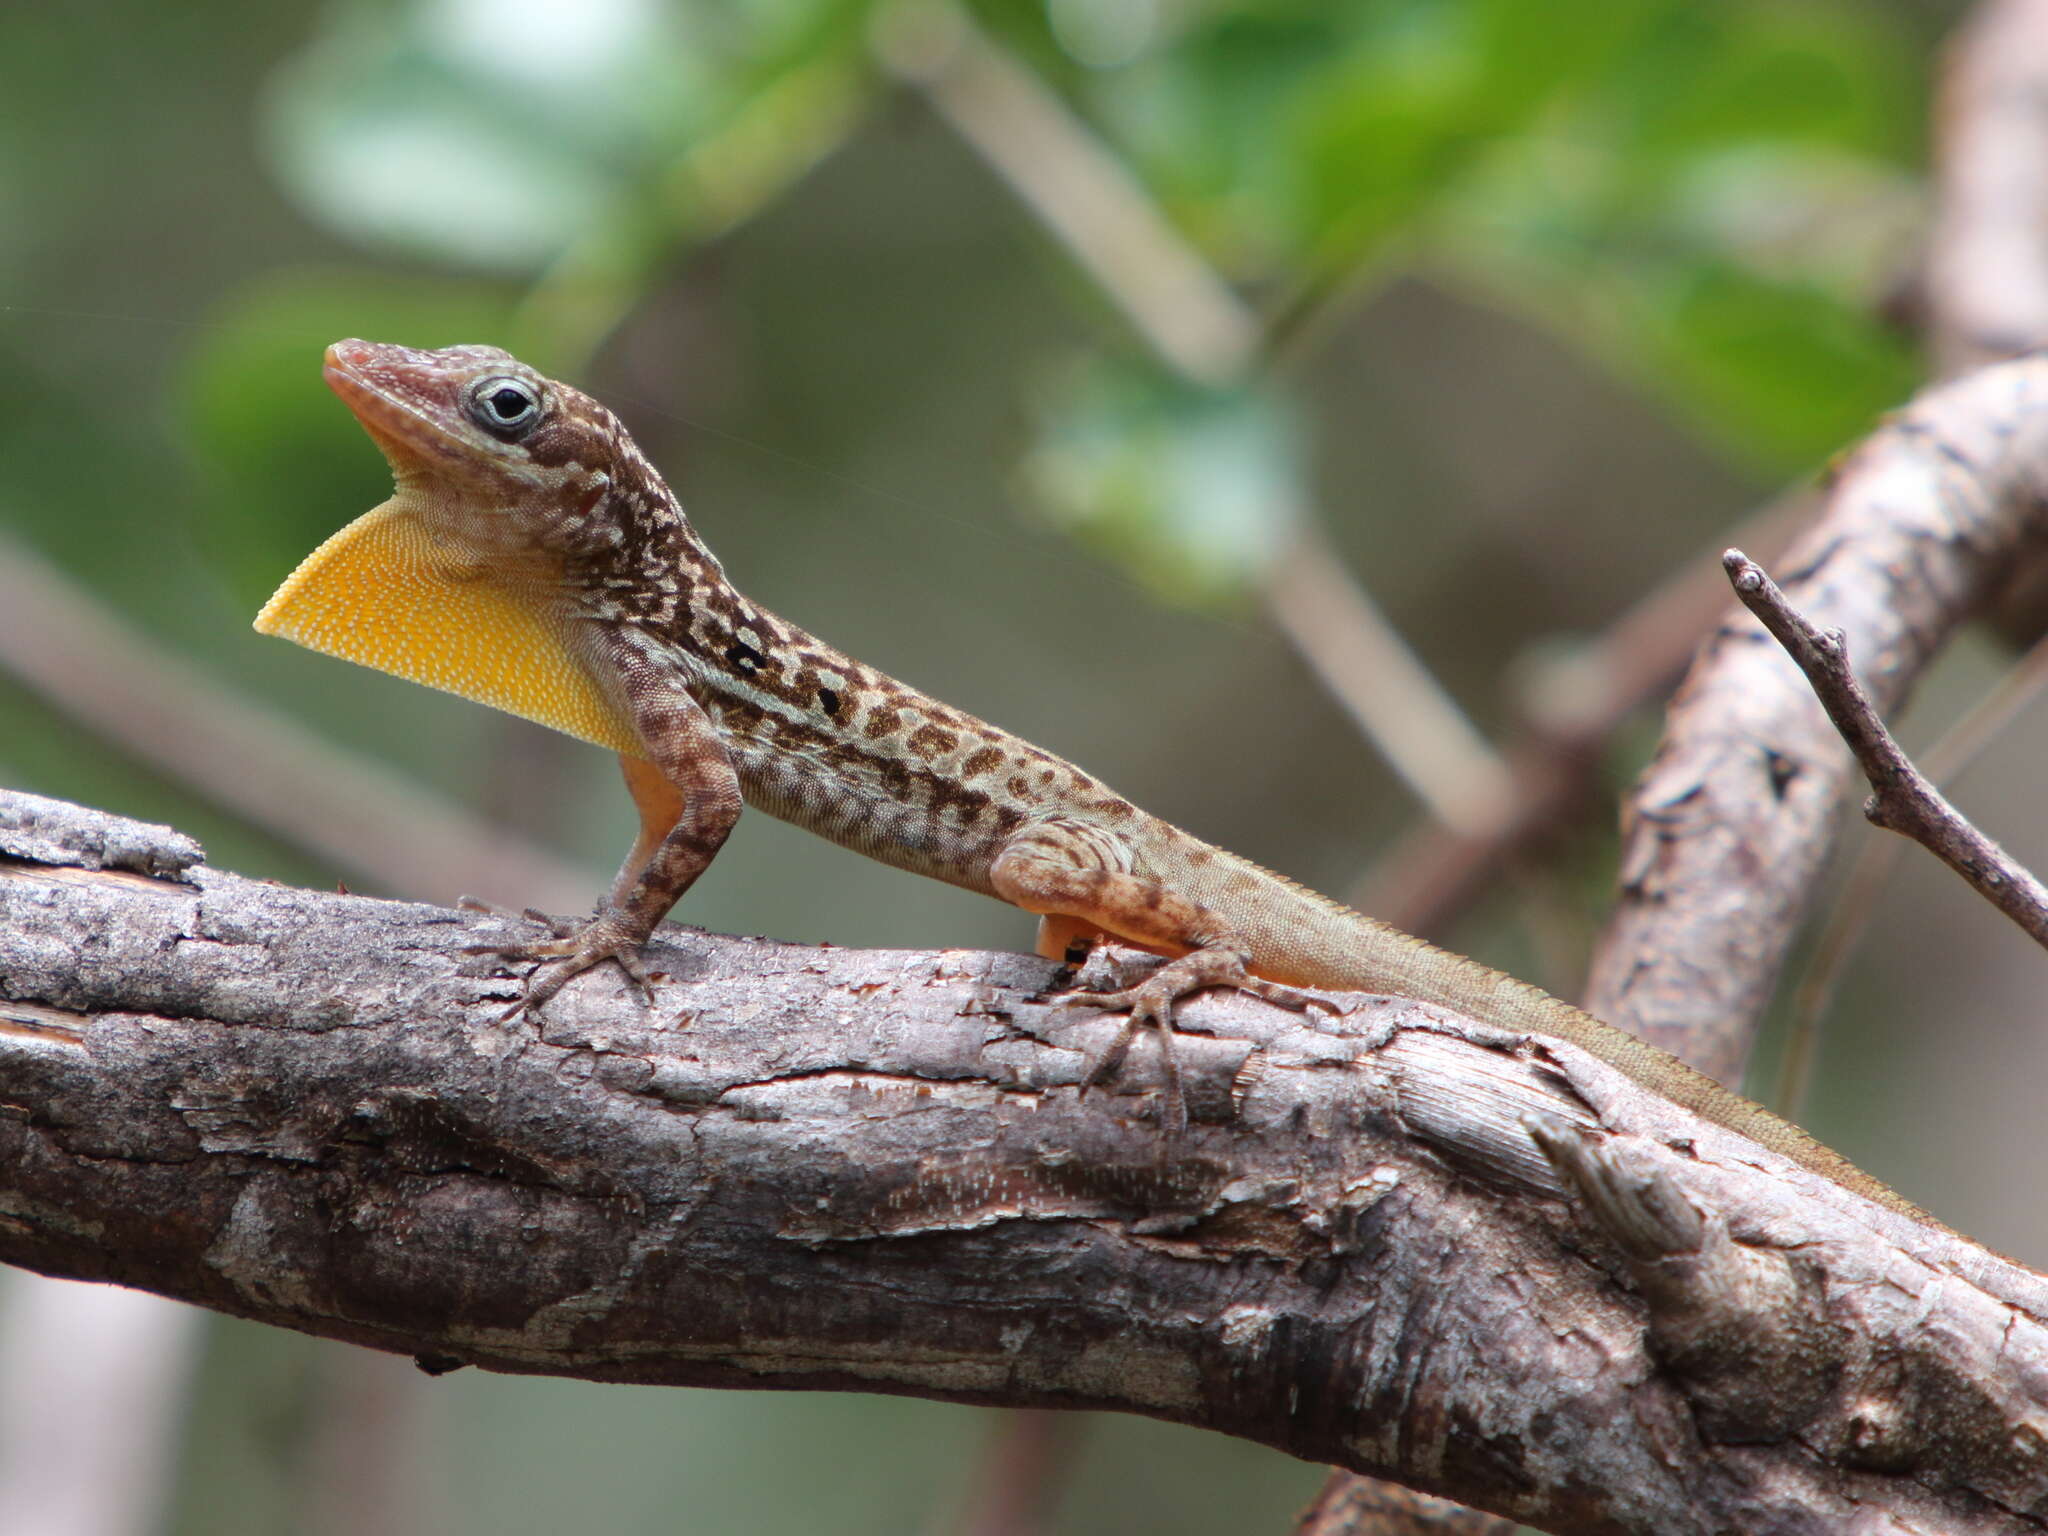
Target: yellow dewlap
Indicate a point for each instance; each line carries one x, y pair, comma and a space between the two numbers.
381, 593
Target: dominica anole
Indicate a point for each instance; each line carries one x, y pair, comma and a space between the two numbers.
532, 559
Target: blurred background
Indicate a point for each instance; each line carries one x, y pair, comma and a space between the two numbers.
1128, 372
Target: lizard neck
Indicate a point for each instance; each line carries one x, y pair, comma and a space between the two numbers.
631, 560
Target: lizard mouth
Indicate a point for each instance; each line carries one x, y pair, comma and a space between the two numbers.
375, 390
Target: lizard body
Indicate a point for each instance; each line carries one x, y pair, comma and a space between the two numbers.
531, 558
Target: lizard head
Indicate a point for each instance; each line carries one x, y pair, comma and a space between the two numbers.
466, 579
472, 430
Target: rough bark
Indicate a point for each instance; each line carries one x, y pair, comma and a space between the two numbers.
1481, 1264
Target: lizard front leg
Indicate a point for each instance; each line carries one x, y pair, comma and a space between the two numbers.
1069, 874
688, 797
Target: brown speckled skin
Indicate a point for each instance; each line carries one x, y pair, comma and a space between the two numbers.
731, 702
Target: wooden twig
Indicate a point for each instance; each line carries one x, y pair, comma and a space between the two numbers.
1850, 913
1392, 698
1902, 799
1556, 762
1024, 1467
1083, 194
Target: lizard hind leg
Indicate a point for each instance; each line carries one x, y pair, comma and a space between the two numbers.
1063, 877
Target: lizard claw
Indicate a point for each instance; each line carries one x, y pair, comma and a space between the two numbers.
1151, 1002
574, 949
562, 961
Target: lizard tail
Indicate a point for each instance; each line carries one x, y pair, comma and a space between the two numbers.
1302, 938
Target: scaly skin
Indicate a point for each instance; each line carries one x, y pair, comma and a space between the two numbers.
531, 558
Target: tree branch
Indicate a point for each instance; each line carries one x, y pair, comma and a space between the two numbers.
1849, 915
833, 1168
1727, 829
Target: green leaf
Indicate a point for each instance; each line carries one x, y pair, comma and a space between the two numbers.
1295, 130
1762, 71
1784, 373
1424, 96
1718, 218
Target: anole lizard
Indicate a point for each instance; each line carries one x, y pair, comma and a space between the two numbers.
532, 559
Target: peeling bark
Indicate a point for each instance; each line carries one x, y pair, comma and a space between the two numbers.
1408, 1244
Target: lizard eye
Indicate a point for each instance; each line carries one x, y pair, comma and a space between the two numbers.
504, 407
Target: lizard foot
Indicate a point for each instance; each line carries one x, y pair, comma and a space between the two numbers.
1151, 1002
574, 949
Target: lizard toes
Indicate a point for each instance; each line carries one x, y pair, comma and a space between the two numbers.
1109, 1061
1108, 1002
554, 972
545, 980
576, 948
628, 957
553, 949
1150, 1008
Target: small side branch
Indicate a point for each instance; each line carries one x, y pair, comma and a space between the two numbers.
1902, 799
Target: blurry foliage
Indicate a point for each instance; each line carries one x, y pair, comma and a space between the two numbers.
585, 141
1710, 199
1190, 489
499, 137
